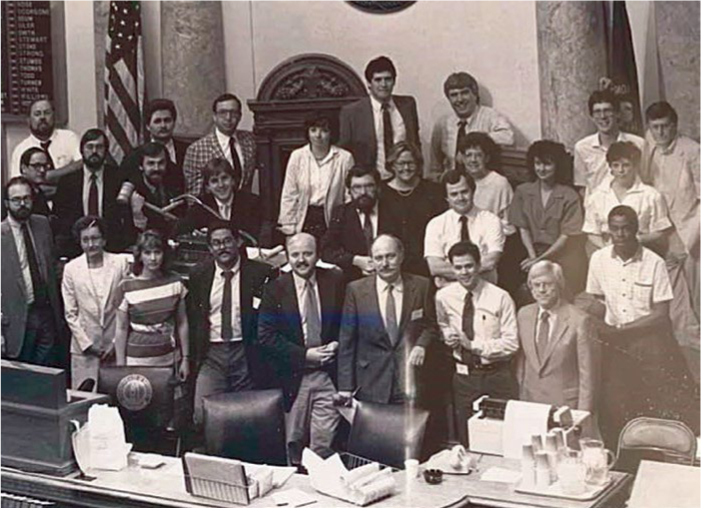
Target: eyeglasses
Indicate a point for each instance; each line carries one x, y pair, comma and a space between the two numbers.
20, 199
226, 242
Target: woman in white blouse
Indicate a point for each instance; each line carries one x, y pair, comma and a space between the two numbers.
314, 181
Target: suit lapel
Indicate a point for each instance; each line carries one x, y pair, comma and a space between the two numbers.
407, 303
39, 248
368, 118
10, 255
373, 304
561, 325
216, 147
529, 338
290, 305
328, 306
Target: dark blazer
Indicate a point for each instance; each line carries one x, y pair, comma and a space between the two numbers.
245, 216
345, 239
253, 277
14, 298
280, 333
358, 128
174, 177
568, 374
155, 220
366, 358
68, 207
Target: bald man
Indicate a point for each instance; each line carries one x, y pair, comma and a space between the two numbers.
298, 333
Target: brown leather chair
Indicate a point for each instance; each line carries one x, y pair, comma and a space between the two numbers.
383, 433
249, 426
647, 438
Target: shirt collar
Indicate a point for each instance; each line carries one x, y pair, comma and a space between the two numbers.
235, 269
373, 213
456, 216
223, 138
597, 141
398, 284
332, 153
87, 173
230, 202
467, 120
377, 105
552, 312
636, 257
14, 223
636, 187
301, 282
670, 148
51, 138
476, 291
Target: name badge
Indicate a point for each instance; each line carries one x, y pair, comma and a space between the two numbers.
256, 302
461, 368
417, 314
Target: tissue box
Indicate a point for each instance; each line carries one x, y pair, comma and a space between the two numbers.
219, 478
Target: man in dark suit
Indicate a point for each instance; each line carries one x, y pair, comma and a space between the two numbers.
388, 322
355, 225
222, 309
31, 310
371, 125
159, 121
298, 334
92, 191
33, 165
238, 147
559, 360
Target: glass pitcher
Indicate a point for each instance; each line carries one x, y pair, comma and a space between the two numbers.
597, 460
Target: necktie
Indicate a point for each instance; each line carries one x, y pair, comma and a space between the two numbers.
92, 196
462, 134
367, 231
311, 311
387, 128
391, 316
45, 146
543, 335
464, 233
468, 325
227, 330
38, 285
235, 158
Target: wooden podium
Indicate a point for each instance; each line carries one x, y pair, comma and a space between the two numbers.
36, 414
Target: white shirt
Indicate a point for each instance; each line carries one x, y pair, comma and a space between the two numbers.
86, 189
647, 202
16, 228
170, 148
215, 304
590, 166
301, 289
443, 231
398, 132
64, 148
225, 207
320, 173
552, 318
494, 323
382, 288
226, 149
494, 193
631, 287
373, 219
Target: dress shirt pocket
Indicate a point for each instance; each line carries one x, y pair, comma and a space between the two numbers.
486, 324
642, 295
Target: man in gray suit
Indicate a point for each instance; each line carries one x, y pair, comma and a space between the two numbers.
560, 355
388, 322
31, 312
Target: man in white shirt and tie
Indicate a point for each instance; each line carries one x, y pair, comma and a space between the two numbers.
298, 334
478, 323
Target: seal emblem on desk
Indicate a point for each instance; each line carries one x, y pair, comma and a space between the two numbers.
134, 392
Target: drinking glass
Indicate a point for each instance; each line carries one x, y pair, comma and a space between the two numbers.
597, 461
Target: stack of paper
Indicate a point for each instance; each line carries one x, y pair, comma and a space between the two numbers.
360, 486
108, 448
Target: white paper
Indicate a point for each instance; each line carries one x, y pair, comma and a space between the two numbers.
501, 475
522, 420
280, 473
108, 447
293, 498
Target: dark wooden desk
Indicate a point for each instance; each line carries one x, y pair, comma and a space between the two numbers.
164, 487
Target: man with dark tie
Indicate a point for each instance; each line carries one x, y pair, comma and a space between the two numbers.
355, 225
462, 222
372, 125
388, 323
478, 322
238, 147
92, 191
34, 164
468, 115
298, 334
31, 310
222, 309
160, 117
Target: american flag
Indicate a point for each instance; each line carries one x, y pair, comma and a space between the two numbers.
124, 78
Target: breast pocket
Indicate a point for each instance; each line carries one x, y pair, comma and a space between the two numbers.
487, 324
642, 295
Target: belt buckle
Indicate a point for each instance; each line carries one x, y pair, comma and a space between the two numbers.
462, 369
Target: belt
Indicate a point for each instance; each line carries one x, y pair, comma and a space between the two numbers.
479, 367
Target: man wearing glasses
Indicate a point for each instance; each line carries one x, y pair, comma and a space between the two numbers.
33, 165
238, 147
590, 166
30, 306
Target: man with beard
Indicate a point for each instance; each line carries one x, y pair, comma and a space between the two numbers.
238, 147
92, 191
643, 371
62, 145
298, 335
388, 323
31, 311
355, 225
372, 125
478, 323
151, 187
159, 121
468, 115
34, 164
590, 166
560, 354
222, 309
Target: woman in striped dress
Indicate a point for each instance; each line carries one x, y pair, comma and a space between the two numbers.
152, 327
